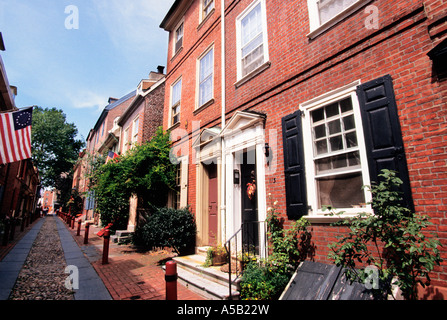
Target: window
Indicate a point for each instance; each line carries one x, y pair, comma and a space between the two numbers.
207, 7
126, 139
135, 128
178, 38
337, 153
323, 14
206, 70
175, 101
252, 39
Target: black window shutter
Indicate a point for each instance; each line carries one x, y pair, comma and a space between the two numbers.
295, 180
383, 136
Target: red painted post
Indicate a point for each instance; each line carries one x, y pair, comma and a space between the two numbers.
87, 226
78, 233
105, 250
171, 280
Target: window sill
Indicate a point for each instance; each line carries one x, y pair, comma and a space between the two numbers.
326, 218
336, 19
203, 106
177, 53
205, 19
253, 74
174, 126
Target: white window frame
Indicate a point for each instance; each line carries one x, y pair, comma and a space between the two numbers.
135, 129
203, 7
126, 139
199, 60
172, 105
175, 50
239, 40
316, 28
311, 184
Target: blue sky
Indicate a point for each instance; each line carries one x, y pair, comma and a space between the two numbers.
116, 45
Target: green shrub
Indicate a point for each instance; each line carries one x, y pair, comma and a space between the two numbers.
265, 280
167, 227
391, 240
262, 282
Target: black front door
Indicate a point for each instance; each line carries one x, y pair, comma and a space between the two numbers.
250, 228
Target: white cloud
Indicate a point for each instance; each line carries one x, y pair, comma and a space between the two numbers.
87, 99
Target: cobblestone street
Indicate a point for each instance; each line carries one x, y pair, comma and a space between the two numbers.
42, 276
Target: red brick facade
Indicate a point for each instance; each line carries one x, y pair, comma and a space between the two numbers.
304, 66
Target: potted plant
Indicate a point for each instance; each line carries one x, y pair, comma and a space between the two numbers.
216, 256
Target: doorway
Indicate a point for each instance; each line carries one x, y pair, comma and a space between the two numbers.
249, 202
213, 197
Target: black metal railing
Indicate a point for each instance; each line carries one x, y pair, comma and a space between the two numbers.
251, 242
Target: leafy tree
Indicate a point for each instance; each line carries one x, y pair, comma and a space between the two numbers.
55, 148
391, 242
145, 171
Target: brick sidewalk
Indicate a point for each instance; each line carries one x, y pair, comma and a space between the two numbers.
130, 275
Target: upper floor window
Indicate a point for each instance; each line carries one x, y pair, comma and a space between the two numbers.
135, 128
252, 50
207, 7
176, 93
206, 70
178, 38
323, 14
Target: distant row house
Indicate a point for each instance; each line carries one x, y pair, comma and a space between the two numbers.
125, 122
306, 101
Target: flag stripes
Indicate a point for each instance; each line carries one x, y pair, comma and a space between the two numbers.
15, 141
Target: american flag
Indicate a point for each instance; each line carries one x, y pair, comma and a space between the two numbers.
15, 135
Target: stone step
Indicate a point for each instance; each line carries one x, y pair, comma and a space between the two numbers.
121, 236
209, 282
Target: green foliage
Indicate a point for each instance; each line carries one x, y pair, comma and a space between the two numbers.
265, 280
391, 239
144, 171
168, 227
261, 282
55, 148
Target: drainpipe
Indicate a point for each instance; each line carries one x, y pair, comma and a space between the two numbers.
223, 102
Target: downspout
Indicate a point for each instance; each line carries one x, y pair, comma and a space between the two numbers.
223, 102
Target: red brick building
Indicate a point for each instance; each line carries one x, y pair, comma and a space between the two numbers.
309, 101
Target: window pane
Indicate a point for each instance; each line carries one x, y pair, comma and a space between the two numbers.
253, 60
251, 25
321, 146
176, 92
348, 122
333, 164
346, 105
330, 8
332, 110
320, 131
336, 143
318, 115
344, 191
351, 140
334, 127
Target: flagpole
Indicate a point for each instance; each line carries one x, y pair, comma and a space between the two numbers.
17, 109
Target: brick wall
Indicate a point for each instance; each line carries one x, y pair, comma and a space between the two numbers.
302, 69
